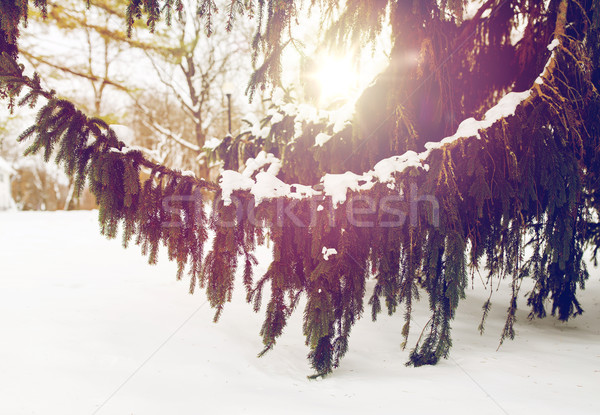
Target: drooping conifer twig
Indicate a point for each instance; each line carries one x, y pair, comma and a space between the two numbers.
522, 167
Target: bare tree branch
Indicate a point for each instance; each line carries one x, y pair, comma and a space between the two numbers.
72, 71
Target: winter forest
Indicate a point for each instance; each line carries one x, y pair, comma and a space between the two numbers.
392, 203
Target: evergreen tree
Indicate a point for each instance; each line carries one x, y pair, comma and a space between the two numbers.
483, 147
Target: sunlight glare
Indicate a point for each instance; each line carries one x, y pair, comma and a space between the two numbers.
337, 78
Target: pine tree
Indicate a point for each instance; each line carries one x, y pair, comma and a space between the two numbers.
481, 148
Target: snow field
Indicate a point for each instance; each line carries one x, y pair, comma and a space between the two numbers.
88, 327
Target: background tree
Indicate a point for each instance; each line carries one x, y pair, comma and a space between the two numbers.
170, 102
192, 73
36, 185
81, 55
494, 125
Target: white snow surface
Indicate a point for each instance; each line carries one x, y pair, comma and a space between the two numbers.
124, 133
341, 117
470, 127
212, 143
268, 186
262, 159
125, 150
6, 167
327, 252
337, 185
90, 328
278, 96
232, 180
321, 139
554, 44
275, 117
263, 185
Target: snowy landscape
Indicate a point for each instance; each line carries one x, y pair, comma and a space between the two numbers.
357, 159
91, 328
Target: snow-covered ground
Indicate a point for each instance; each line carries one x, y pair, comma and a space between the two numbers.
87, 327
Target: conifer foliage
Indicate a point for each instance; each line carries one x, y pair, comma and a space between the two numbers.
483, 150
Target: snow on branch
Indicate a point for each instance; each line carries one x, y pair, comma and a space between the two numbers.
173, 136
267, 186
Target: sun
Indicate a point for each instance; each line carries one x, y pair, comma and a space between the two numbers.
338, 79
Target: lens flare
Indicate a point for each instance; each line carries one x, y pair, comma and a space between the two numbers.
337, 78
